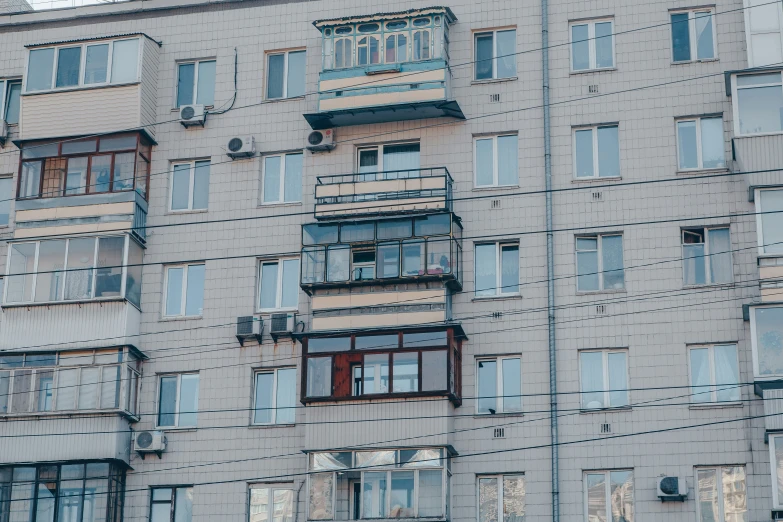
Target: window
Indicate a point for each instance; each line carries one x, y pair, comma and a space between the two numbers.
283, 178
769, 220
766, 330
178, 400
275, 397
603, 378
6, 195
758, 103
722, 493
397, 48
59, 67
496, 161
278, 284
608, 496
190, 186
714, 373
388, 161
700, 144
368, 49
9, 97
597, 152
184, 291
693, 35
269, 502
286, 74
495, 54
776, 459
499, 385
497, 269
501, 494
599, 263
764, 32
196, 83
706, 256
592, 45
172, 504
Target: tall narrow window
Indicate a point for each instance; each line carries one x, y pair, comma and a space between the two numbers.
275, 397
776, 462
184, 291
599, 263
497, 269
178, 400
285, 74
706, 256
501, 498
368, 50
6, 195
397, 48
343, 53
496, 161
714, 373
282, 178
196, 83
769, 220
69, 61
171, 504
609, 496
700, 144
592, 45
597, 152
190, 186
499, 385
278, 284
722, 493
10, 109
693, 35
604, 379
495, 54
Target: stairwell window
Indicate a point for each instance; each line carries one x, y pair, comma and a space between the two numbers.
501, 498
700, 143
769, 220
499, 385
592, 45
171, 504
270, 502
608, 495
178, 400
184, 296
706, 256
189, 186
603, 379
196, 83
599, 263
693, 35
714, 373
286, 74
275, 396
597, 152
497, 269
278, 284
722, 492
496, 160
9, 96
495, 54
282, 178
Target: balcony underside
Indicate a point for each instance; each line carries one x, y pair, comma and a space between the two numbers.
385, 114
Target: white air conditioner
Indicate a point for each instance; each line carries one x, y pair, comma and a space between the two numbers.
191, 115
319, 140
249, 327
3, 132
241, 147
672, 488
281, 325
149, 442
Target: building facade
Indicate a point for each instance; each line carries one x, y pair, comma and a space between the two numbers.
304, 260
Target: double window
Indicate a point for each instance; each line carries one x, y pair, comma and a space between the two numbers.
706, 256
592, 45
501, 498
271, 503
608, 495
766, 329
597, 152
758, 103
189, 186
282, 178
499, 385
173, 504
496, 161
275, 396
599, 263
693, 35
495, 54
9, 97
714, 373
769, 220
393, 160
278, 284
88, 64
286, 74
196, 83
722, 492
700, 143
497, 269
603, 379
178, 400
184, 291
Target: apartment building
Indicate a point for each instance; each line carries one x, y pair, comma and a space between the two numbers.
301, 261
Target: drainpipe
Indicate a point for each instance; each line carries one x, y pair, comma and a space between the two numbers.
550, 266
298, 491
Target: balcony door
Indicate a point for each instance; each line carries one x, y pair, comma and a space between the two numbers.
391, 160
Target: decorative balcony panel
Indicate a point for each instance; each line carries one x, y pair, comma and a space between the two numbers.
385, 67
378, 193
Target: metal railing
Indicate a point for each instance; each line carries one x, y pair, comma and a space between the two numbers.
386, 175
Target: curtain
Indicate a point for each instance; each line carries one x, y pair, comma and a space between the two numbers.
700, 375
726, 372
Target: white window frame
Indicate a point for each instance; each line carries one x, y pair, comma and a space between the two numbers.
272, 488
285, 53
178, 399
706, 259
494, 32
591, 44
83, 61
749, 33
283, 160
605, 378
195, 63
495, 172
713, 385
499, 383
600, 251
4, 92
759, 224
191, 186
184, 297
500, 479
719, 485
777, 501
380, 149
498, 268
754, 341
692, 36
608, 482
596, 160
279, 292
699, 140
274, 372
735, 103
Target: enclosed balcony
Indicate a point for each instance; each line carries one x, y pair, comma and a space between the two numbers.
385, 67
378, 193
766, 329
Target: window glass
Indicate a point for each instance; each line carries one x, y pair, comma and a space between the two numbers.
771, 223
68, 63
276, 72
51, 261
720, 255
726, 373
424, 339
30, 182
388, 260
506, 57
338, 263
512, 384
319, 377
286, 396
484, 54
421, 45
687, 144
96, 63
376, 374
377, 342
608, 152
603, 45
596, 496
126, 142
613, 273
436, 225
618, 381
402, 494
621, 495
174, 290
268, 294
681, 44
320, 234
374, 493
313, 265
580, 48
194, 293
292, 189
272, 166
591, 364
39, 69
76, 176
201, 185
328, 344
6, 194
12, 102
205, 89
434, 370
431, 493
583, 141
168, 401
487, 387
712, 152
398, 158
188, 400
507, 160
134, 270
185, 83
509, 264
20, 287
357, 232
406, 372
393, 229
486, 264
78, 279
290, 291
759, 109
769, 339
488, 499
125, 61
263, 401
705, 47
321, 497
485, 162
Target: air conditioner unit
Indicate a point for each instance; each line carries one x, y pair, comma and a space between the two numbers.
672, 488
149, 442
192, 115
321, 140
3, 132
282, 325
249, 327
241, 147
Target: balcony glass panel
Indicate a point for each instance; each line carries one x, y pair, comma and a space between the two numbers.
768, 341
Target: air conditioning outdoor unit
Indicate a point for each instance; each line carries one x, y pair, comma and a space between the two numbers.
282, 325
192, 115
249, 327
149, 442
241, 147
672, 488
3, 132
320, 140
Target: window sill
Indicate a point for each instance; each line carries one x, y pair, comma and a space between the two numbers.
206, 107
268, 426
701, 171
180, 318
503, 297
585, 411
494, 80
588, 71
291, 98
710, 285
689, 62
180, 212
80, 88
267, 311
597, 179
66, 414
713, 405
760, 134
57, 303
496, 188
496, 415
281, 204
610, 291
177, 429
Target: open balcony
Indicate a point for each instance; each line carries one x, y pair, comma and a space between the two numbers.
379, 193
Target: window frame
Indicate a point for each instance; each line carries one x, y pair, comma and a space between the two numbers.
760, 224
699, 142
754, 341
735, 88
599, 251
500, 477
279, 261
191, 185
777, 499
607, 391
495, 163
596, 160
5, 92
283, 161
713, 386
719, 485
172, 501
195, 62
275, 381
607, 473
500, 397
498, 270
178, 400
708, 276
692, 36
184, 296
592, 57
494, 31
379, 148
285, 53
272, 487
